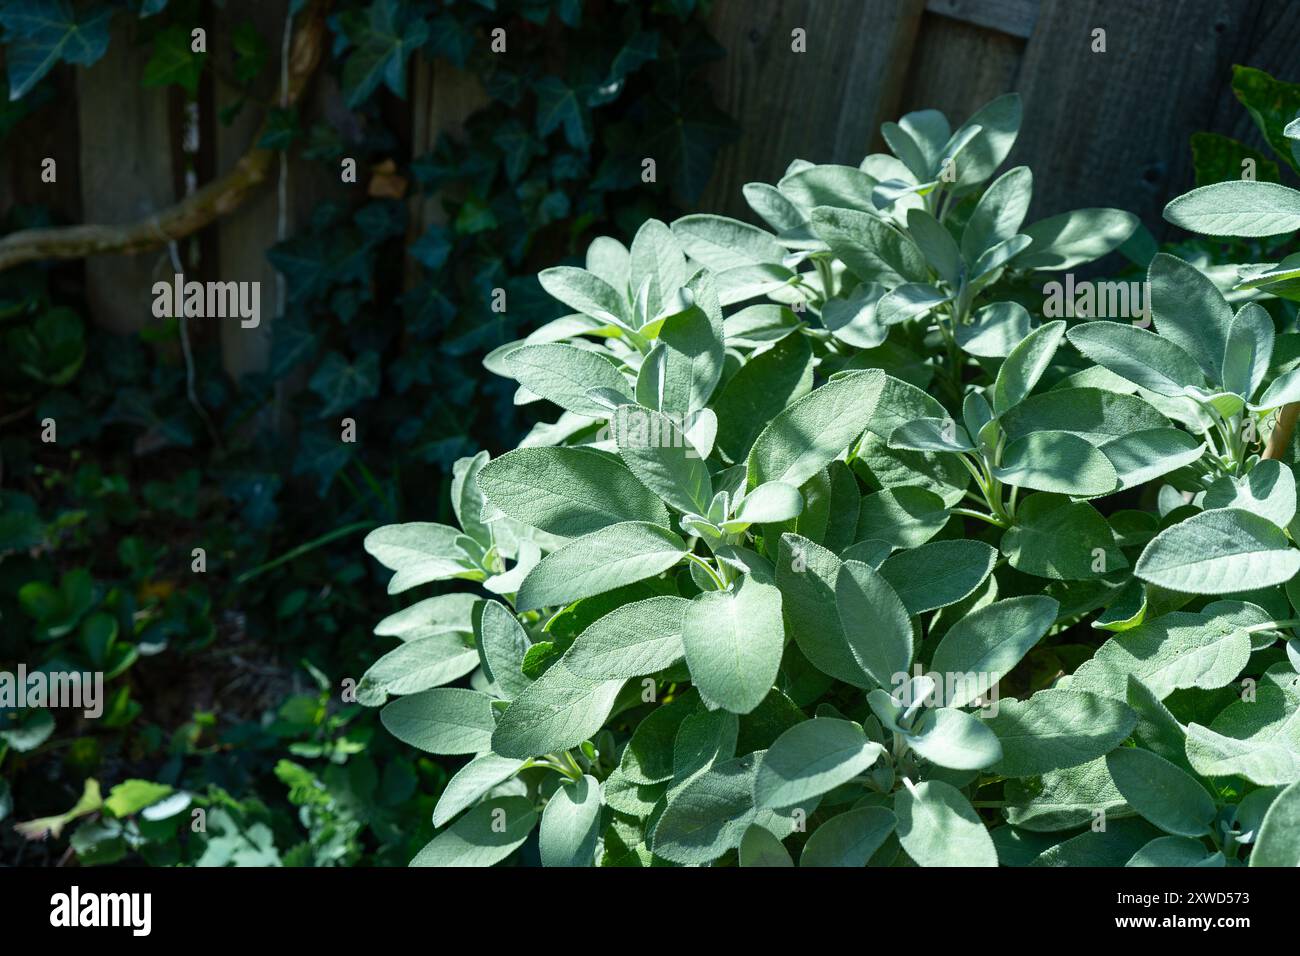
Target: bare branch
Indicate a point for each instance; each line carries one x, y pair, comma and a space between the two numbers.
203, 206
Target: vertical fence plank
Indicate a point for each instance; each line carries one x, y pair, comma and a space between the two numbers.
443, 98
244, 236
1271, 47
824, 105
1111, 129
249, 232
957, 67
126, 174
49, 132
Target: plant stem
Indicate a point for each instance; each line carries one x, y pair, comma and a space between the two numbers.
972, 513
696, 559
303, 549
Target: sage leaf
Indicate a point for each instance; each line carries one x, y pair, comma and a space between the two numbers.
1278, 843
445, 720
1214, 552
642, 637
1057, 728
733, 641
598, 562
471, 782
811, 433
938, 827
1237, 208
557, 711
810, 759
564, 374
938, 573
849, 838
571, 824
874, 621
983, 647
1163, 793
568, 491
485, 835
759, 847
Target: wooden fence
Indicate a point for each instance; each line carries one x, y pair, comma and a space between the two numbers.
1101, 129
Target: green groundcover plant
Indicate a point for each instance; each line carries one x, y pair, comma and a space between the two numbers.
841, 551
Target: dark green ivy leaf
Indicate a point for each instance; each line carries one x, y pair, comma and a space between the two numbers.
342, 385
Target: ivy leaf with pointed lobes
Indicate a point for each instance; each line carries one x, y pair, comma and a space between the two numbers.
560, 106
174, 60
1273, 105
343, 385
384, 41
40, 33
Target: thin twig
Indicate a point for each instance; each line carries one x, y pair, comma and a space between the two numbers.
190, 389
